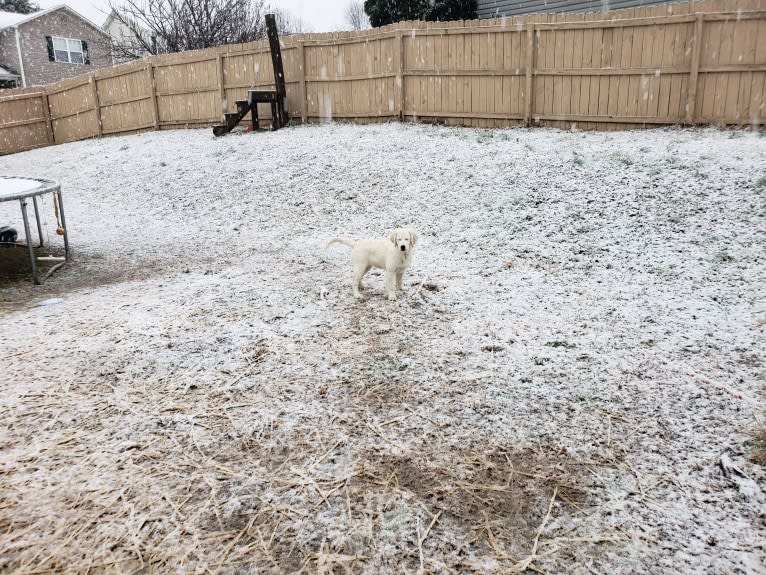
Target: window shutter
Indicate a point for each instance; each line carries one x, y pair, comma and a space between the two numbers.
51, 55
85, 57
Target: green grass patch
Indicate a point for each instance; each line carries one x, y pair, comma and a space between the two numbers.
564, 344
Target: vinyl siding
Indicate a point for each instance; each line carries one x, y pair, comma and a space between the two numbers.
497, 8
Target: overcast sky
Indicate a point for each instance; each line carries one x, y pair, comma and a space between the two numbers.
317, 15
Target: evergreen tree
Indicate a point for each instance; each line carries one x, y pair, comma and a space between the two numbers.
382, 12
18, 6
444, 10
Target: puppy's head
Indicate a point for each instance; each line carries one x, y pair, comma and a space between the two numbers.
404, 240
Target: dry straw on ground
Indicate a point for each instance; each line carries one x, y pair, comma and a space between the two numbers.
193, 495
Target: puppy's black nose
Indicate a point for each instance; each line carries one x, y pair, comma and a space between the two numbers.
404, 248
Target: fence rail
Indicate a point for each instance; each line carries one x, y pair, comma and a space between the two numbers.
674, 64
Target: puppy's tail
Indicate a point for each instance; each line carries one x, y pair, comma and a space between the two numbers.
345, 242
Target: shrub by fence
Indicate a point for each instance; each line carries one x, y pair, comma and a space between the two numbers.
699, 63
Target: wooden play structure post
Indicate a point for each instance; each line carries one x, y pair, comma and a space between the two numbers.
277, 98
279, 72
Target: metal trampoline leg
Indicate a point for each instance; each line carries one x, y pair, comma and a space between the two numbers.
63, 225
29, 241
37, 217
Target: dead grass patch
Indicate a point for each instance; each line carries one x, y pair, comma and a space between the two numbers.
495, 499
174, 488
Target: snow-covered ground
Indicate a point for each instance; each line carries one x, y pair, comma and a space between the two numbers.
569, 384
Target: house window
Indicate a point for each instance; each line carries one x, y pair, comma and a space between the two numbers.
67, 50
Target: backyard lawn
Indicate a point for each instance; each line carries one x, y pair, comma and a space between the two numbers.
572, 382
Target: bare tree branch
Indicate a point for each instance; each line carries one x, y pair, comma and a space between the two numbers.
355, 15
288, 23
161, 26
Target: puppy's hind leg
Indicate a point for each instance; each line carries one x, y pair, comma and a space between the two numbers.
359, 270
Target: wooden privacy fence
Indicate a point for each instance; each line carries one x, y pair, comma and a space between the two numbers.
673, 64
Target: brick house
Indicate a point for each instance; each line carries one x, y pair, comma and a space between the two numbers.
50, 45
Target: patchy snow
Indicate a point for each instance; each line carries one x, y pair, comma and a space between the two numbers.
569, 382
11, 187
10, 19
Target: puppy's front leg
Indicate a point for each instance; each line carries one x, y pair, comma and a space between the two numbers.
399, 284
391, 285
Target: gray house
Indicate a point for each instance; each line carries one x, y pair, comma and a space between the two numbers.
50, 45
126, 46
499, 8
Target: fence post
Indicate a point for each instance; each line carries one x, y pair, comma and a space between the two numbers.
97, 104
691, 98
153, 92
221, 84
48, 122
302, 75
528, 71
399, 69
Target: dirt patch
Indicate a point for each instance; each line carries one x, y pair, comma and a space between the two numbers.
14, 263
499, 497
85, 270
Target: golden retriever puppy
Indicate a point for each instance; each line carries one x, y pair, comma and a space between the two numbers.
393, 255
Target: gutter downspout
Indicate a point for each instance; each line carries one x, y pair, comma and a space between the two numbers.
21, 62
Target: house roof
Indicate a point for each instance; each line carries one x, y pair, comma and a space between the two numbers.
13, 20
112, 16
8, 19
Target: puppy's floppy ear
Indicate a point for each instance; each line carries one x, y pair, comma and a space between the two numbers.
413, 237
392, 237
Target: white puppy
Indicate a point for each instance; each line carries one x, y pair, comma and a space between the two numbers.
393, 255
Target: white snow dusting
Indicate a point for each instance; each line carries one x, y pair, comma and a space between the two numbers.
585, 316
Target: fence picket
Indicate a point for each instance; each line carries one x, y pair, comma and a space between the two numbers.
697, 62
